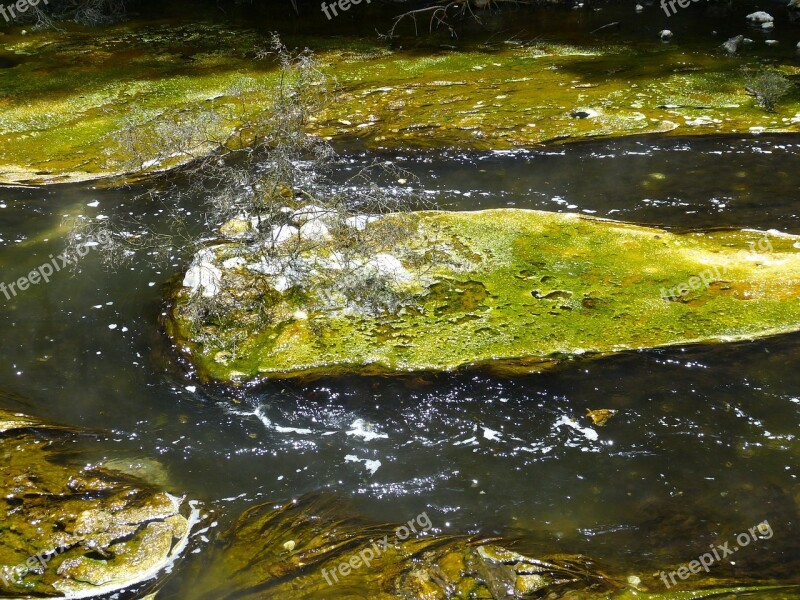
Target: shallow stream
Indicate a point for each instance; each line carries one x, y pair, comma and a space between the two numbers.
704, 445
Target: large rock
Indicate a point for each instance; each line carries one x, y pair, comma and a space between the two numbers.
74, 529
512, 289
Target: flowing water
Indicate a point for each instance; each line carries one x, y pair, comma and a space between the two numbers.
703, 447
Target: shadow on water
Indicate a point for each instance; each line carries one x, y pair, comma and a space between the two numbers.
703, 444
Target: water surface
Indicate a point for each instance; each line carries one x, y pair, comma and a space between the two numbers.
704, 445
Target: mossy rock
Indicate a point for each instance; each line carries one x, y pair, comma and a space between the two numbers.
514, 290
152, 75
315, 547
72, 529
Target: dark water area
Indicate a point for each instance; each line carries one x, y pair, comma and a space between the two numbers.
699, 23
703, 447
697, 184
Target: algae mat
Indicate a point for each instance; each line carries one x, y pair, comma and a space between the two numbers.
296, 552
68, 98
516, 290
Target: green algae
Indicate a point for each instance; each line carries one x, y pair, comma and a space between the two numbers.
73, 529
521, 96
515, 95
286, 552
296, 551
515, 291
52, 130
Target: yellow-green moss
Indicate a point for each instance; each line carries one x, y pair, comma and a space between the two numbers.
66, 102
521, 96
532, 289
63, 106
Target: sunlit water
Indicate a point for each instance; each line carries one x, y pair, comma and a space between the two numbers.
703, 447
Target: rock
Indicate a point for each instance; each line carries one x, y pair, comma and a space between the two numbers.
767, 25
639, 8
283, 233
665, 35
390, 266
586, 113
733, 44
203, 275
381, 561
771, 42
238, 227
314, 230
314, 548
759, 17
72, 528
700, 121
794, 10
535, 288
360, 222
232, 263
308, 213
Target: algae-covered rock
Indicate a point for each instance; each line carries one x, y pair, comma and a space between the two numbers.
152, 81
72, 529
512, 289
315, 548
312, 548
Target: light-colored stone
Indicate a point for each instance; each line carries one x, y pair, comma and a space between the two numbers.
759, 17
203, 275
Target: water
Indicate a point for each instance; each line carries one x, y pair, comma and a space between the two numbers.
704, 445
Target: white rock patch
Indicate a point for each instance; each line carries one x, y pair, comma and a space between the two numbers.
203, 275
360, 222
314, 230
760, 17
389, 266
283, 233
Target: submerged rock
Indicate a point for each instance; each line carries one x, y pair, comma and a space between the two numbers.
72, 529
312, 548
733, 44
514, 290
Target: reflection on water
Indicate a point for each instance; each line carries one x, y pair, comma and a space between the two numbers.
703, 446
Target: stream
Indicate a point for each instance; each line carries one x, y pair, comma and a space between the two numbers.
703, 446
